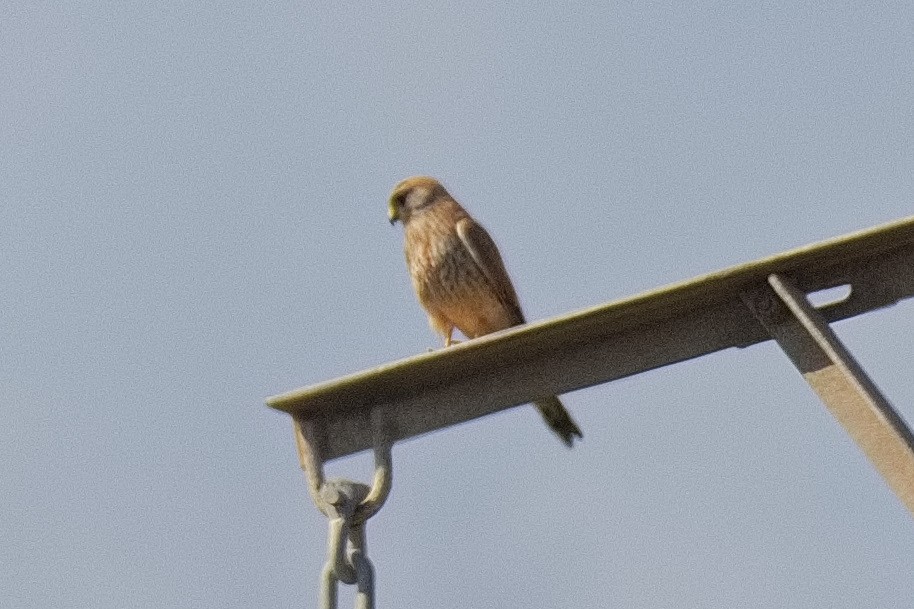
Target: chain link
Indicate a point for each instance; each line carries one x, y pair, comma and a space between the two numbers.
346, 555
348, 505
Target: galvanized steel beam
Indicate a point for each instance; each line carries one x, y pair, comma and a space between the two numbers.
737, 307
668, 325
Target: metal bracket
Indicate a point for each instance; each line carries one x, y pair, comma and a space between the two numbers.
348, 505
832, 372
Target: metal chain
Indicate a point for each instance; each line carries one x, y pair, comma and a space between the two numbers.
346, 555
348, 505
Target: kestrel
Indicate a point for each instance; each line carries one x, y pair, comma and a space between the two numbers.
458, 275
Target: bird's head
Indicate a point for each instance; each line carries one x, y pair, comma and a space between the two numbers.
412, 195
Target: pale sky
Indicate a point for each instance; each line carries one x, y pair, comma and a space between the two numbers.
193, 217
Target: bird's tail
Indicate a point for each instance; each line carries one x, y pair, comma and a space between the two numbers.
558, 419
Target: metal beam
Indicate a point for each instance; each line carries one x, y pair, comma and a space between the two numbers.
839, 381
664, 326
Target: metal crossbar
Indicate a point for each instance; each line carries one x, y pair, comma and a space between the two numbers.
741, 306
668, 325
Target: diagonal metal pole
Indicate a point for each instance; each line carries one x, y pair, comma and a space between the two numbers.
837, 378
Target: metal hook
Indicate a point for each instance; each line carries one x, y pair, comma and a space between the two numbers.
308, 443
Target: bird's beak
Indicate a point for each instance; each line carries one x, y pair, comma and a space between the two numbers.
393, 212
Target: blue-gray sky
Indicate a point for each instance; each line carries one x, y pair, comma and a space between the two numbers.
192, 217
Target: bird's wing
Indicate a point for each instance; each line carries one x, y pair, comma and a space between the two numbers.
485, 254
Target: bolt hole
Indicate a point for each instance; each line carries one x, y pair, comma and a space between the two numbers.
829, 296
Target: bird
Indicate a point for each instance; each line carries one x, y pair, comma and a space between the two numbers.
459, 276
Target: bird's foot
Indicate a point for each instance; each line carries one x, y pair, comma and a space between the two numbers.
446, 345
